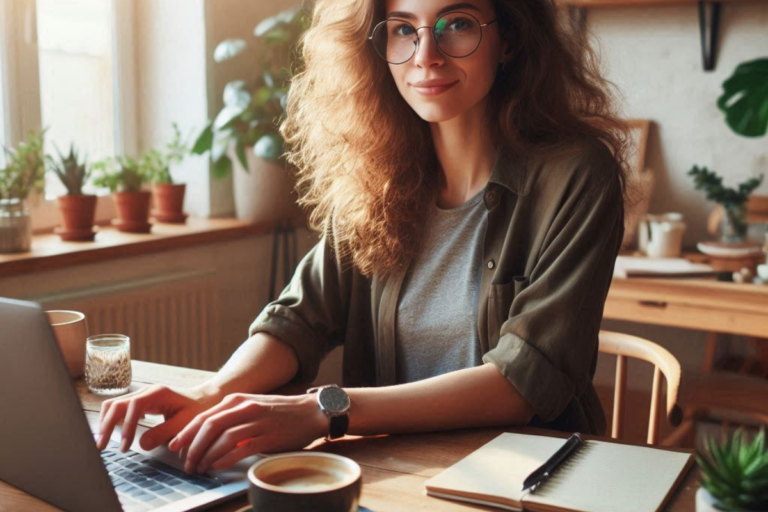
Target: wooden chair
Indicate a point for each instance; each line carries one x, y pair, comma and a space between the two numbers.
625, 346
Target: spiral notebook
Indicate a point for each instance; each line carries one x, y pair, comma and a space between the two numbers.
600, 477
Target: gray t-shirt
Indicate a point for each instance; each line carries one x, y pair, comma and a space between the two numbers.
436, 324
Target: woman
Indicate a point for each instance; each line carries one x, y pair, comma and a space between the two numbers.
465, 167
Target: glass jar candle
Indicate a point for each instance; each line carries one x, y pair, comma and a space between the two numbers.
108, 364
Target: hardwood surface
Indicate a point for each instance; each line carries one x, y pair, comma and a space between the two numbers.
394, 467
698, 304
49, 252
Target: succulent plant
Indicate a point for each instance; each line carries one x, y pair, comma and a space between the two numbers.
72, 173
735, 472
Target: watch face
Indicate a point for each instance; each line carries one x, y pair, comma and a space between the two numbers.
334, 400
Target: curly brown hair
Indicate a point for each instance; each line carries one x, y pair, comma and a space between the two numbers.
365, 161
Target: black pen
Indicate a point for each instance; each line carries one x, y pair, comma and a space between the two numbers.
545, 470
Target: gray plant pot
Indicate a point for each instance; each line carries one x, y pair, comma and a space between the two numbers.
15, 226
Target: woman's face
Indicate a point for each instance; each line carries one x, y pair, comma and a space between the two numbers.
466, 81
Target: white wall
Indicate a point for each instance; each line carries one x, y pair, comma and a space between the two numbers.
653, 55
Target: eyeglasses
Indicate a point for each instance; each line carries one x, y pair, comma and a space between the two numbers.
457, 34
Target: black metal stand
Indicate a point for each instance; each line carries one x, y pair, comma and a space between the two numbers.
709, 23
285, 235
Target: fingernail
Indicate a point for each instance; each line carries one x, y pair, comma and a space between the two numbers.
124, 445
172, 445
98, 441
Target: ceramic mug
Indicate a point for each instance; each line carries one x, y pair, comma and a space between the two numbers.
305, 482
71, 331
661, 236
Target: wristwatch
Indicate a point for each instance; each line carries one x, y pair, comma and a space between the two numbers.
335, 404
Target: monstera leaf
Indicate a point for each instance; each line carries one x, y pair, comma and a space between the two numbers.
745, 100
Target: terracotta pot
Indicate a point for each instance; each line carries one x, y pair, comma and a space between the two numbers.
169, 203
132, 211
77, 214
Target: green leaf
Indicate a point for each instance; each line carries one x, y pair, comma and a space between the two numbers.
236, 96
226, 117
278, 35
222, 167
745, 99
228, 49
221, 141
240, 151
204, 141
269, 147
265, 26
262, 97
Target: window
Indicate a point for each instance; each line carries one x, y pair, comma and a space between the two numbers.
63, 68
76, 91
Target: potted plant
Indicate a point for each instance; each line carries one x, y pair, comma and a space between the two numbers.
734, 474
169, 196
77, 209
124, 177
733, 201
244, 137
23, 173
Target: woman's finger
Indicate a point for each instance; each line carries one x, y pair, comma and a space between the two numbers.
162, 433
246, 448
226, 442
213, 427
188, 433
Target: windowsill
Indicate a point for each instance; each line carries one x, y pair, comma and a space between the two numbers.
50, 252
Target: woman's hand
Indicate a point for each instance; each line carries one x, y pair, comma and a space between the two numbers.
178, 406
243, 425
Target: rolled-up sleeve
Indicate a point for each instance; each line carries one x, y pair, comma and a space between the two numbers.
548, 343
311, 311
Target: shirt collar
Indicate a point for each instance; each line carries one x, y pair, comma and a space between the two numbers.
512, 172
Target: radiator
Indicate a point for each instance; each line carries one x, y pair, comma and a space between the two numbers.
170, 318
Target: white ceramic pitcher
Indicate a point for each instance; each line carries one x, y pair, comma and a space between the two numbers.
661, 236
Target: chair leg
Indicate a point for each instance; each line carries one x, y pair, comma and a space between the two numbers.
710, 351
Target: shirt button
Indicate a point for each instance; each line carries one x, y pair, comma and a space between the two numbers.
491, 264
490, 196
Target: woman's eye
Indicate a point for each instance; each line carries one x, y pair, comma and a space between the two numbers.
459, 25
403, 30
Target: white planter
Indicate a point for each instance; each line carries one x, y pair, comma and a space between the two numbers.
706, 503
265, 192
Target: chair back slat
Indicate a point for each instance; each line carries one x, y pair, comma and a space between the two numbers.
618, 397
625, 346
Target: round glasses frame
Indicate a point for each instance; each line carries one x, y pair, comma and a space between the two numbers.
434, 36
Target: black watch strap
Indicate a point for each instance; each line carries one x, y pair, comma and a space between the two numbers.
338, 426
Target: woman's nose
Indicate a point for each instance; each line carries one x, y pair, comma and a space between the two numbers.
427, 52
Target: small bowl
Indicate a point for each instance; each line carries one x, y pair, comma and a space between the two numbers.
762, 271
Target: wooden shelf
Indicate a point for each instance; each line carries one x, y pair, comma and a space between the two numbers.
49, 252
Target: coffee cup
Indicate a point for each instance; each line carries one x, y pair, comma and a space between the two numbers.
304, 482
71, 331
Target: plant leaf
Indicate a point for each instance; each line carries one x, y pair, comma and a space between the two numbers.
204, 141
269, 147
240, 152
745, 99
228, 49
222, 167
236, 96
226, 116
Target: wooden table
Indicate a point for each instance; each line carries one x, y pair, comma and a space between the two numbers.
394, 467
699, 304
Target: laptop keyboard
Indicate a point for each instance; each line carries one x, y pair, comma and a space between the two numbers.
143, 483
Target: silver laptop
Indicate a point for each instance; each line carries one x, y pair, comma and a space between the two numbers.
48, 450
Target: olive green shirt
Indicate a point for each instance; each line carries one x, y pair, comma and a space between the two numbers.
554, 229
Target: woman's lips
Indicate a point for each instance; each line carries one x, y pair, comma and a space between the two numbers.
435, 89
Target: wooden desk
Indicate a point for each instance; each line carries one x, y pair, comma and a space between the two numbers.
699, 304
394, 467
